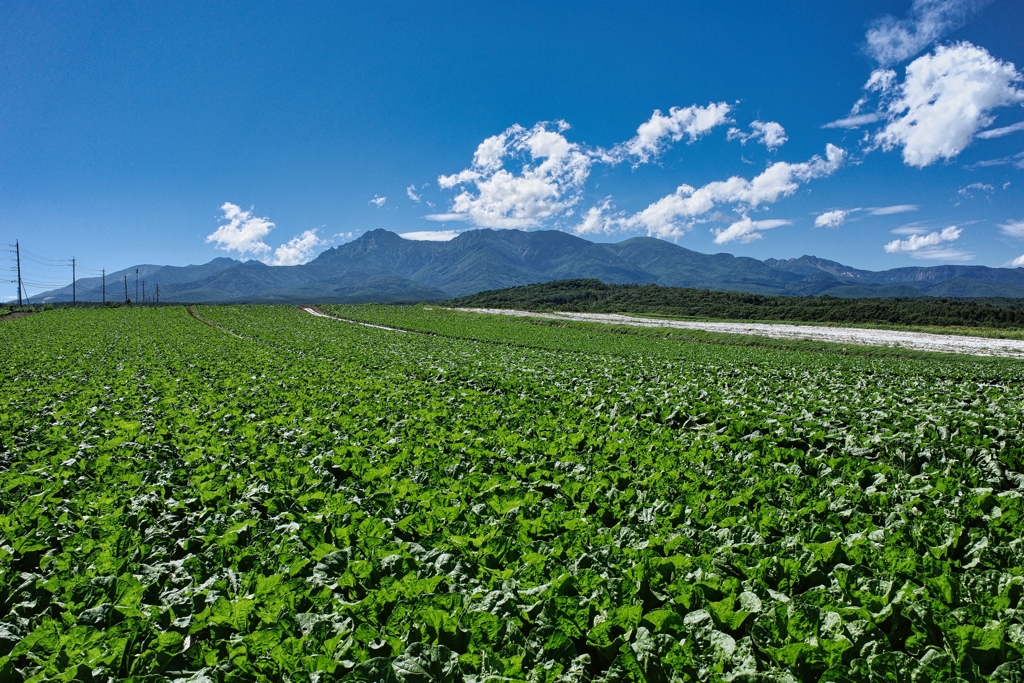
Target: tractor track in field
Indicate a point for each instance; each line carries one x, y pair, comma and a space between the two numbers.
314, 310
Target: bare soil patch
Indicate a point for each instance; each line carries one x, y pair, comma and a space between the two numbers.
917, 341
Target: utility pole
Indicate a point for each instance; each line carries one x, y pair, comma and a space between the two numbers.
136, 286
158, 293
104, 285
143, 291
126, 288
17, 250
74, 279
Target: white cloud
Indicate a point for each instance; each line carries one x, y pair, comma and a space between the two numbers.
548, 183
1017, 262
837, 217
378, 201
880, 81
968, 190
891, 40
1000, 132
596, 220
1013, 228
855, 121
411, 193
1017, 160
945, 99
930, 246
672, 216
910, 229
831, 219
943, 254
297, 250
243, 232
890, 210
769, 133
657, 133
430, 235
746, 230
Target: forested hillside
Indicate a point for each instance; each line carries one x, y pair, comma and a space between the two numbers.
594, 296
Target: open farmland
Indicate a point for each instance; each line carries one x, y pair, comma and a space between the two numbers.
257, 493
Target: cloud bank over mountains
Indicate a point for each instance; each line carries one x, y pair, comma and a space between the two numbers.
944, 100
526, 177
243, 233
930, 246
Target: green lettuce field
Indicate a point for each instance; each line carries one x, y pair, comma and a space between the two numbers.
258, 494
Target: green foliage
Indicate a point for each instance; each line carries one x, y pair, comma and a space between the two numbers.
309, 500
594, 296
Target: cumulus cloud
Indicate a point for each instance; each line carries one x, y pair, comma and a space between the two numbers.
657, 133
1013, 228
831, 219
769, 133
243, 232
891, 40
746, 230
378, 201
411, 193
945, 99
672, 216
547, 183
596, 220
1017, 262
430, 235
930, 246
297, 250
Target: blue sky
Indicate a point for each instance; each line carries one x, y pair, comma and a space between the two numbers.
176, 132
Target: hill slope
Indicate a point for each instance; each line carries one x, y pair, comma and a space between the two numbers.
382, 266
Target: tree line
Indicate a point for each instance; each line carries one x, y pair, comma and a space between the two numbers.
594, 296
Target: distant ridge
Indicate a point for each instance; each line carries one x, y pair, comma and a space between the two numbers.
381, 266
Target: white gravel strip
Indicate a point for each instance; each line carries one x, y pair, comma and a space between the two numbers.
918, 341
313, 311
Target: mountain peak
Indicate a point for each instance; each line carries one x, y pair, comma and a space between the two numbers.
478, 260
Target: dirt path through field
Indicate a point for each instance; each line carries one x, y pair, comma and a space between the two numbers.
918, 341
313, 310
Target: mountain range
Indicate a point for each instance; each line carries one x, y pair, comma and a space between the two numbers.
381, 266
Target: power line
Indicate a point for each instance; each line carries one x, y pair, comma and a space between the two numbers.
17, 248
33, 256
